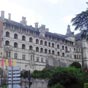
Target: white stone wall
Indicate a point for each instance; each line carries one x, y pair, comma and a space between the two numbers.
30, 61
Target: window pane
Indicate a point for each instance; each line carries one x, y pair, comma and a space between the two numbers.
23, 38
15, 55
7, 43
23, 57
7, 34
15, 36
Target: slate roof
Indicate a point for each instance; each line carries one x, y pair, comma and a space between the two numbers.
19, 25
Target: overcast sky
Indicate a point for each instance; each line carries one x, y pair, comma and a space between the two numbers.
55, 14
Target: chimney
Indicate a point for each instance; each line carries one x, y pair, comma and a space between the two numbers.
9, 16
24, 22
68, 30
42, 26
36, 25
2, 15
47, 29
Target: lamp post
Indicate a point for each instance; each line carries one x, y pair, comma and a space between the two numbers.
28, 76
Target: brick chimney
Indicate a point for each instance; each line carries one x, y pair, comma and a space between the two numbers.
36, 25
9, 16
24, 22
2, 15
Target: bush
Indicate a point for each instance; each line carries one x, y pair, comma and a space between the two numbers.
66, 79
85, 85
72, 76
57, 86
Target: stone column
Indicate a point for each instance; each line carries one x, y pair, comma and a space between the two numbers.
84, 53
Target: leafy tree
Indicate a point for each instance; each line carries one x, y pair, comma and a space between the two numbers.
57, 86
81, 20
25, 74
66, 79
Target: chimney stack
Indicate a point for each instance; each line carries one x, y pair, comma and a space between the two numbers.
36, 25
24, 22
47, 29
42, 26
2, 15
9, 16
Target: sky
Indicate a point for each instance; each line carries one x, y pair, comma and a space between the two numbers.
55, 14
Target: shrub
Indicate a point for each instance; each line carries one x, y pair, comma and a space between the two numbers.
66, 79
85, 85
57, 86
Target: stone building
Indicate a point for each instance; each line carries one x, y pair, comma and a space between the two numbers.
35, 48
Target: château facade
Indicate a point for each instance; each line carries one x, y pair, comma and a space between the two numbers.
35, 48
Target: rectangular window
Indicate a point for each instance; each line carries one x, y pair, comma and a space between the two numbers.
62, 47
42, 60
53, 45
15, 55
23, 57
63, 55
49, 44
37, 59
8, 54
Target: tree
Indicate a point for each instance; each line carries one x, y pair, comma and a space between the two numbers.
81, 20
25, 74
57, 86
64, 78
1, 72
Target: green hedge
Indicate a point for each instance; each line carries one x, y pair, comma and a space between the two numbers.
48, 73
57, 86
85, 85
82, 77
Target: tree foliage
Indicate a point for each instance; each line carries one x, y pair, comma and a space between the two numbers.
74, 77
57, 86
25, 74
81, 20
65, 78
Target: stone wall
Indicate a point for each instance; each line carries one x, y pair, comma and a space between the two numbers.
39, 83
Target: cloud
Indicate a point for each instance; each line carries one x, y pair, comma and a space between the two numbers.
54, 1
17, 11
